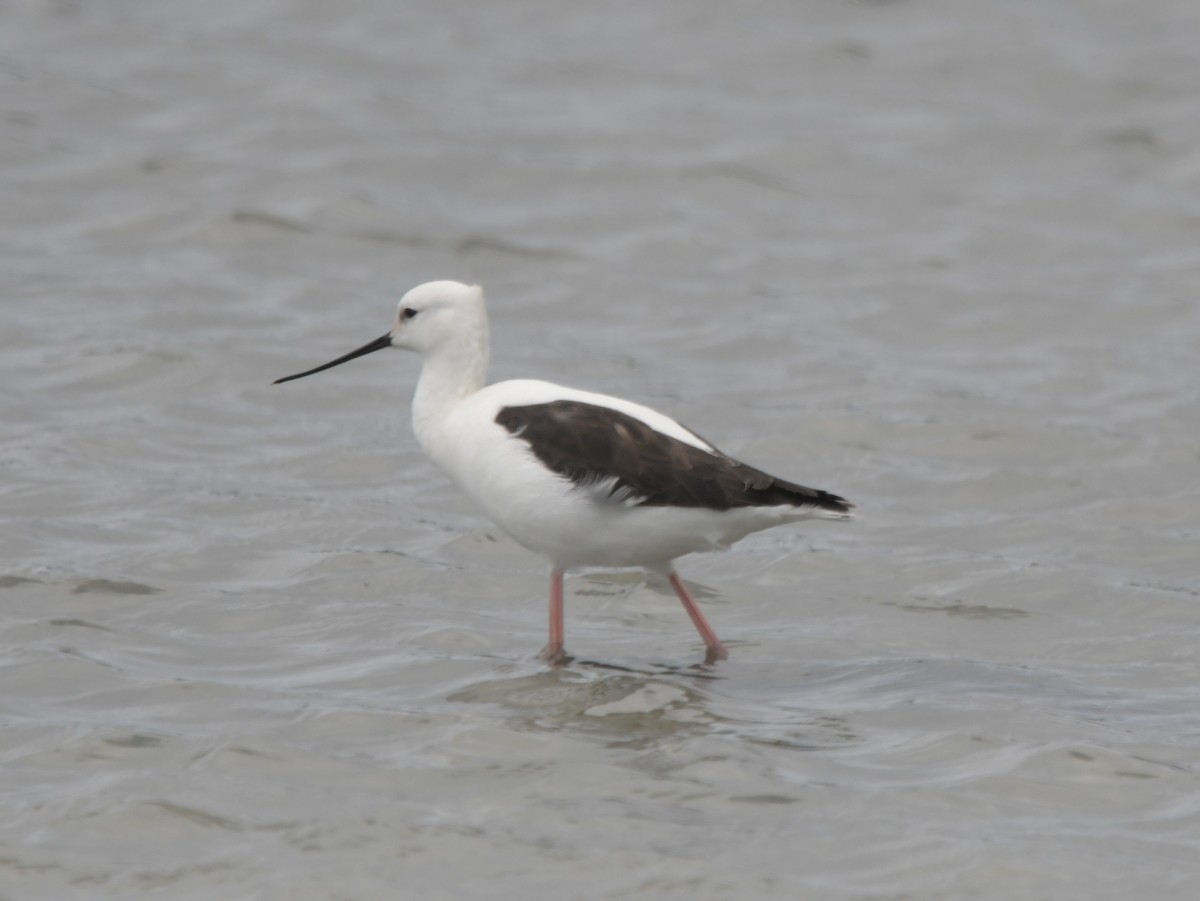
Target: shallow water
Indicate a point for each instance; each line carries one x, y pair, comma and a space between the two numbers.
942, 260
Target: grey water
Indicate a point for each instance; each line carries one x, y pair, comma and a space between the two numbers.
940, 258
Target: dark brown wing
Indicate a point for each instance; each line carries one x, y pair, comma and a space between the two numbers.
594, 446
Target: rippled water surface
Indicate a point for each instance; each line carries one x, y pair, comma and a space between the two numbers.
941, 258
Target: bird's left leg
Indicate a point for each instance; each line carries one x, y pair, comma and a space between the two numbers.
553, 653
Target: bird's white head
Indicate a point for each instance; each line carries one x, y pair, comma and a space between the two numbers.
430, 319
437, 312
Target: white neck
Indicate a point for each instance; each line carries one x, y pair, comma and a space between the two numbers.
450, 374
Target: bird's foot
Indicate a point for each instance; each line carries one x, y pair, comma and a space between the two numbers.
555, 656
715, 652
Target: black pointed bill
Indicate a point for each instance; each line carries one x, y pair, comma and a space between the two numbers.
378, 344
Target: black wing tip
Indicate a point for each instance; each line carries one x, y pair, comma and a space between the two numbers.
833, 502
833, 506
812, 498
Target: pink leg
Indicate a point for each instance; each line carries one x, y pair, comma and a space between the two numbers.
716, 650
553, 653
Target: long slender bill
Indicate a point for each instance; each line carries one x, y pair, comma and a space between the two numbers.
378, 344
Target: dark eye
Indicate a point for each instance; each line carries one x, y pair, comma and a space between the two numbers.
408, 313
